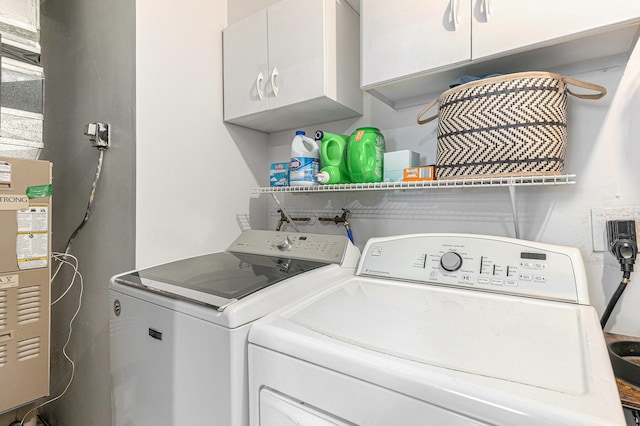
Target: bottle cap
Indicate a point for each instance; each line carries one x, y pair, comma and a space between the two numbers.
323, 177
300, 132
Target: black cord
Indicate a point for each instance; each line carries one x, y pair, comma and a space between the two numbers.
614, 299
91, 198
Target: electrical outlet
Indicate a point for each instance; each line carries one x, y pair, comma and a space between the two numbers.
98, 133
599, 218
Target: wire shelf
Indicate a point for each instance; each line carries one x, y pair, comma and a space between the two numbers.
432, 184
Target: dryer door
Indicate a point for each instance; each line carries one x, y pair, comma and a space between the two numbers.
279, 410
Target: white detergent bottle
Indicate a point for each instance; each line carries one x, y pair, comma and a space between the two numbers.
305, 160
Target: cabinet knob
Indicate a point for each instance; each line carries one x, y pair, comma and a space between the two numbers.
259, 81
455, 16
274, 86
486, 5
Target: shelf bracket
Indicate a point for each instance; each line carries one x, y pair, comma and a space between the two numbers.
512, 196
291, 222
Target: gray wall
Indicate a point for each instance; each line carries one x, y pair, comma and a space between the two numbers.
89, 58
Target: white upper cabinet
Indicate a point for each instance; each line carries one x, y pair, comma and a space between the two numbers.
246, 67
291, 65
405, 37
510, 25
414, 48
296, 52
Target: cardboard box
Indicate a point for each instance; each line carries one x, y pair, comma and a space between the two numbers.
413, 174
279, 174
396, 161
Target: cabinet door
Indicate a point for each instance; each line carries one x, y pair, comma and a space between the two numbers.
405, 37
296, 51
501, 26
246, 69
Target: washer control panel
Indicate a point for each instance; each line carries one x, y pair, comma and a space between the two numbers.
293, 245
495, 264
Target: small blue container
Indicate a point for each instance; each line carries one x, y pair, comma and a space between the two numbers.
279, 174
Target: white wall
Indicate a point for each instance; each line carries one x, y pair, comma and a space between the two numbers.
612, 168
602, 151
194, 174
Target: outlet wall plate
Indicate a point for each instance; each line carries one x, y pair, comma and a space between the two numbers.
98, 133
599, 218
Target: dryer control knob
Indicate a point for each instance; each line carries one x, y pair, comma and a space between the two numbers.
451, 261
283, 243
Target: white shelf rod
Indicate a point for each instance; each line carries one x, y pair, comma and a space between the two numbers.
508, 181
512, 196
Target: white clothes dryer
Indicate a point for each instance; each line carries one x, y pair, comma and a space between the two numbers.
439, 329
178, 331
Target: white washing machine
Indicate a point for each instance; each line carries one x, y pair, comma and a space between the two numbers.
441, 330
178, 331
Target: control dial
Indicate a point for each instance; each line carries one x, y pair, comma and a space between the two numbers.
283, 243
451, 261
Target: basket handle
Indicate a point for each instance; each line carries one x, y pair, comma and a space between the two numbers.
424, 110
601, 90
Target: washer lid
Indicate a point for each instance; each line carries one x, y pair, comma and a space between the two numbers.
218, 279
531, 342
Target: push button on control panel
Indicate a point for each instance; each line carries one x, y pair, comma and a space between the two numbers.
533, 265
483, 280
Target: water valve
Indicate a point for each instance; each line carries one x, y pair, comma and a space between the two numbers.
98, 134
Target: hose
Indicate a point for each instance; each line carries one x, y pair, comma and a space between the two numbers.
349, 233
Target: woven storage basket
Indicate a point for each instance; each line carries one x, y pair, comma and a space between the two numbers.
514, 124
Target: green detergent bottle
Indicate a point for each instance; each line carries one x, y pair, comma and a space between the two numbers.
333, 157
365, 152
